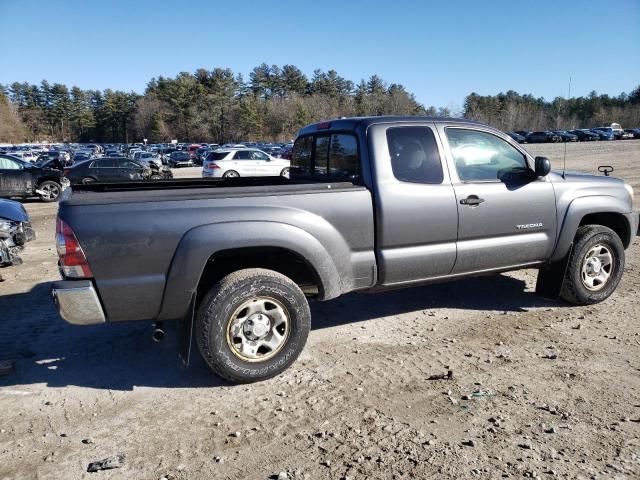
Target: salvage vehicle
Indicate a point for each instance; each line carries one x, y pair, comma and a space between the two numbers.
371, 204
15, 231
24, 179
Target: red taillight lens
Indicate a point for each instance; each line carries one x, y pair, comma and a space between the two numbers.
72, 259
65, 172
214, 165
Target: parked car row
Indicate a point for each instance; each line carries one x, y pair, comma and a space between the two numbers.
613, 132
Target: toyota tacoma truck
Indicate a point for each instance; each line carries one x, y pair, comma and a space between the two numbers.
371, 204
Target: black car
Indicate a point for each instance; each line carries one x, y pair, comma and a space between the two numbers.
23, 179
585, 135
107, 169
635, 132
180, 159
517, 137
543, 137
524, 133
566, 136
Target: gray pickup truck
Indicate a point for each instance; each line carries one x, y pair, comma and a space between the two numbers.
372, 204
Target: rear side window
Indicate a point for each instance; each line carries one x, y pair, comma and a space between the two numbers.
105, 163
414, 155
301, 156
332, 156
213, 156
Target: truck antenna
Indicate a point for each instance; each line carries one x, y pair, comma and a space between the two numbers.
564, 159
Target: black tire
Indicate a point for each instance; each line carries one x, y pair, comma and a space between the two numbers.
588, 237
53, 189
285, 172
231, 174
155, 177
226, 301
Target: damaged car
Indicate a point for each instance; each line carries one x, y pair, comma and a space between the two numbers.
24, 179
15, 232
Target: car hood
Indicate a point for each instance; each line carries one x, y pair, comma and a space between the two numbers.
13, 211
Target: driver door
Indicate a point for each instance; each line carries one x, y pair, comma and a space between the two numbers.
506, 216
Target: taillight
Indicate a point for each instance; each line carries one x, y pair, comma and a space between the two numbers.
212, 165
65, 172
72, 259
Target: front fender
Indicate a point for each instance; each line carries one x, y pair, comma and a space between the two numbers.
577, 210
200, 243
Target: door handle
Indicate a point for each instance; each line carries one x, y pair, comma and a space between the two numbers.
472, 200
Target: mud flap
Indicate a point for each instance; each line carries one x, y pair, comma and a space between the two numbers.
551, 278
185, 332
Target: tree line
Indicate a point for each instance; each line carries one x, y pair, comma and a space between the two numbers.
272, 104
512, 111
208, 105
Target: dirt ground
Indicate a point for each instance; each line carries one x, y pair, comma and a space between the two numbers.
540, 389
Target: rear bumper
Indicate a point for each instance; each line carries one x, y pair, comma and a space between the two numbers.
77, 302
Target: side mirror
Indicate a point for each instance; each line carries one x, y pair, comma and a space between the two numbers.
543, 166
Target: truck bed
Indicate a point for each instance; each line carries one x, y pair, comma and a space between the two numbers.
194, 189
147, 244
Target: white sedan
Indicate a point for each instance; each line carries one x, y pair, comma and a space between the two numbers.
243, 162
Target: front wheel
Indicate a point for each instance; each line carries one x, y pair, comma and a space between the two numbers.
595, 266
50, 191
285, 172
252, 325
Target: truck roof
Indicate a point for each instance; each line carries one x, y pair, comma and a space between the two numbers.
351, 123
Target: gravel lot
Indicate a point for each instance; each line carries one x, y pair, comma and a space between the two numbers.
539, 389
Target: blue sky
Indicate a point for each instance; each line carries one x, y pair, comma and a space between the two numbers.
441, 51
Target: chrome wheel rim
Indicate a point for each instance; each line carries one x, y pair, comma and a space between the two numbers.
285, 173
231, 174
258, 329
50, 191
597, 267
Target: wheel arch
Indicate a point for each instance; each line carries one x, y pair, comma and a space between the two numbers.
209, 252
602, 210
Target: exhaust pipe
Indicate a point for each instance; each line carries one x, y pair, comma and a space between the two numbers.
158, 332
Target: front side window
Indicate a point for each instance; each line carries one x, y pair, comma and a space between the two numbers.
256, 155
481, 156
414, 155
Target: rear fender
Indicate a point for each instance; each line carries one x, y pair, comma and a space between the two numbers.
199, 244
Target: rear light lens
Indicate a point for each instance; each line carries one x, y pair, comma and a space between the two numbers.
73, 262
65, 172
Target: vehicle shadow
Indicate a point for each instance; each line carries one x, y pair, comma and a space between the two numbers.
122, 356
495, 292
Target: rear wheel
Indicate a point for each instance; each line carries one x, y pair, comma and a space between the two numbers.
595, 266
252, 325
50, 191
231, 174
